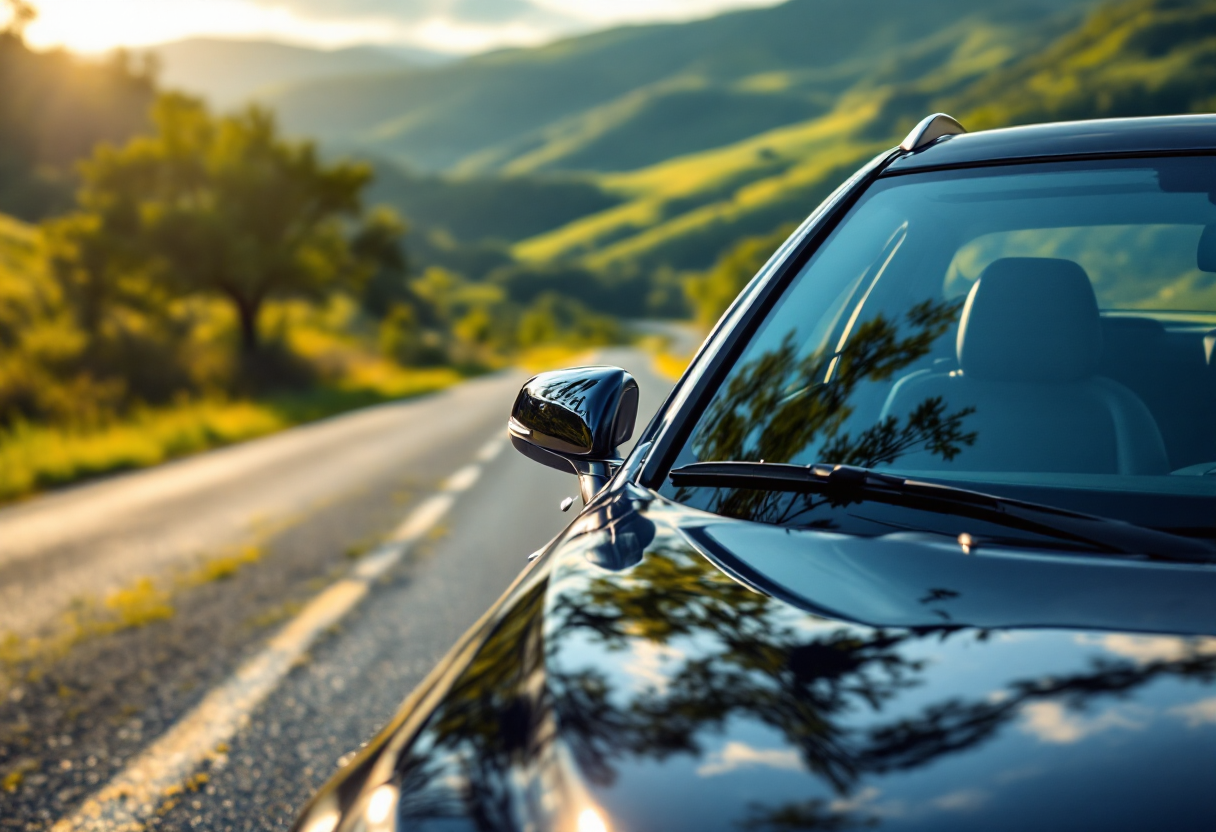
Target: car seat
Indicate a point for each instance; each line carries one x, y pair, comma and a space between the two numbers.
1029, 343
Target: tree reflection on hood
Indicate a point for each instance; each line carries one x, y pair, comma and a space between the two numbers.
777, 406
542, 690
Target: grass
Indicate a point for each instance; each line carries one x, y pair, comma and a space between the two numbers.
666, 363
37, 457
139, 604
553, 357
13, 778
670, 366
223, 567
711, 190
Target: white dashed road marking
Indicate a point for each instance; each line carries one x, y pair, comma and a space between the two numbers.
137, 791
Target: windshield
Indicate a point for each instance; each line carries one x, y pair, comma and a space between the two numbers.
1043, 332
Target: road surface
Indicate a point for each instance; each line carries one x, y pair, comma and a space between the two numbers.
222, 562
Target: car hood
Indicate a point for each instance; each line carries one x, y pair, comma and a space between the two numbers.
664, 669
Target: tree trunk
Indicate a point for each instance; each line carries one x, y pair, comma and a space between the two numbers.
248, 311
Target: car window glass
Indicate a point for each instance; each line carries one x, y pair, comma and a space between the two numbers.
1130, 266
1044, 329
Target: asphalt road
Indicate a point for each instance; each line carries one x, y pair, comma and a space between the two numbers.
213, 557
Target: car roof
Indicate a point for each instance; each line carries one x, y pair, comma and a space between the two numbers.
1162, 134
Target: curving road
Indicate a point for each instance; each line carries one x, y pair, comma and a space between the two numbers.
270, 641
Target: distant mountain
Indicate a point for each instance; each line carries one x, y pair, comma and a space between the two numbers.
1129, 58
230, 72
636, 95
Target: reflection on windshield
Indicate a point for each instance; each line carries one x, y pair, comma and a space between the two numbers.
1083, 374
776, 406
837, 695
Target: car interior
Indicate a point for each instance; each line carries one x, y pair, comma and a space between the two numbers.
1060, 316
1059, 387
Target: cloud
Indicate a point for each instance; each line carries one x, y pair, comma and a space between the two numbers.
964, 800
469, 12
1051, 723
1146, 649
648, 666
1198, 713
448, 25
618, 11
861, 800
736, 755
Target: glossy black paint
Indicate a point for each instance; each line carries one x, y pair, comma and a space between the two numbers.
1106, 137
676, 686
581, 412
653, 665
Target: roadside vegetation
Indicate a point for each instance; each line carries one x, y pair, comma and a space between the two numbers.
213, 281
173, 279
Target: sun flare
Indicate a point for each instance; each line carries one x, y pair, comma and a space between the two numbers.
91, 27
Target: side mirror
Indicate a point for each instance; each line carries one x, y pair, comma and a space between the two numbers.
573, 420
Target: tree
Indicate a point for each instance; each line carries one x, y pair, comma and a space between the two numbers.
221, 207
54, 109
19, 15
378, 243
712, 292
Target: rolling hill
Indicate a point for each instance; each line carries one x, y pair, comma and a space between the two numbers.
1138, 57
230, 72
652, 150
638, 95
1131, 58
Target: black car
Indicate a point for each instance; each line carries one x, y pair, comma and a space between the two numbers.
924, 539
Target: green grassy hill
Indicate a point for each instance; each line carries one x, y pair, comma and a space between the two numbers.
638, 95
1140, 57
1132, 58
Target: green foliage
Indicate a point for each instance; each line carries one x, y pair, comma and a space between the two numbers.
553, 318
623, 294
378, 243
476, 321
211, 207
1133, 58
480, 208
711, 293
37, 456
39, 345
53, 110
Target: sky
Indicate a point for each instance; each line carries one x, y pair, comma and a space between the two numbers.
458, 26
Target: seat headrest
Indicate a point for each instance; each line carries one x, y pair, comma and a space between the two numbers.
1030, 319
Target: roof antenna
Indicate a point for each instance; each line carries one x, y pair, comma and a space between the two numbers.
930, 129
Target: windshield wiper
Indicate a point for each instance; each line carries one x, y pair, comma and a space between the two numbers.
844, 484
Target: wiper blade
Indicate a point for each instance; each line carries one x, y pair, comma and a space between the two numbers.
844, 484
